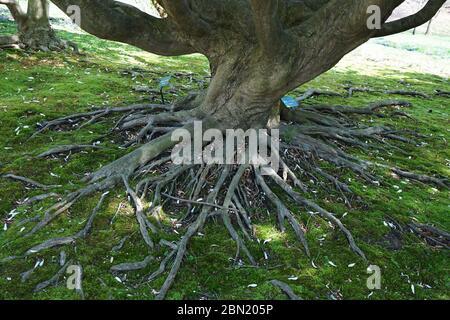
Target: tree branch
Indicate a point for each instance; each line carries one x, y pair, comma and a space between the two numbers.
184, 17
412, 21
15, 9
112, 20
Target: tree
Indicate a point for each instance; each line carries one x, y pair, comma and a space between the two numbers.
34, 29
259, 50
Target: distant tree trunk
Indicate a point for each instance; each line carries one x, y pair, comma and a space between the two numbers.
35, 31
33, 26
429, 27
428, 32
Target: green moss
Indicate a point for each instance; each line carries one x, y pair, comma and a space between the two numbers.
38, 87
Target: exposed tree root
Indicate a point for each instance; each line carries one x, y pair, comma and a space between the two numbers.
442, 93
286, 289
444, 183
9, 42
30, 182
53, 280
432, 235
66, 149
132, 266
411, 93
29, 201
120, 245
70, 239
309, 136
311, 93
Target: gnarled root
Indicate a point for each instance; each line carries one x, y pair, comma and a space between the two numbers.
9, 42
314, 134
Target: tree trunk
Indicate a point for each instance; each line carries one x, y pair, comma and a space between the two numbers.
34, 29
429, 27
430, 23
242, 105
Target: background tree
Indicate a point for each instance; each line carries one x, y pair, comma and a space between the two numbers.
410, 7
33, 25
258, 50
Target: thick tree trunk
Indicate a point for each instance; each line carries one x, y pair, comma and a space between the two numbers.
244, 91
428, 31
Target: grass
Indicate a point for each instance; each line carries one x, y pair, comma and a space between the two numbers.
43, 86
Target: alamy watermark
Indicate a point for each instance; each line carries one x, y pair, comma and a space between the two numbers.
258, 147
74, 13
75, 275
374, 280
374, 21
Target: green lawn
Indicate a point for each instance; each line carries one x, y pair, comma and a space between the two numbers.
42, 86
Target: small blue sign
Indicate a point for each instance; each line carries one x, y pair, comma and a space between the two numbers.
290, 102
164, 82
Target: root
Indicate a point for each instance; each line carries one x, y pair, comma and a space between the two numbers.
66, 149
286, 289
371, 109
70, 239
94, 116
192, 230
132, 266
442, 93
162, 266
144, 224
226, 217
38, 198
324, 213
432, 235
120, 245
9, 42
411, 93
444, 183
56, 210
311, 93
283, 212
30, 182
53, 280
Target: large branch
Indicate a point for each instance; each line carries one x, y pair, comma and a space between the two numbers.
112, 20
335, 28
412, 21
15, 9
184, 17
